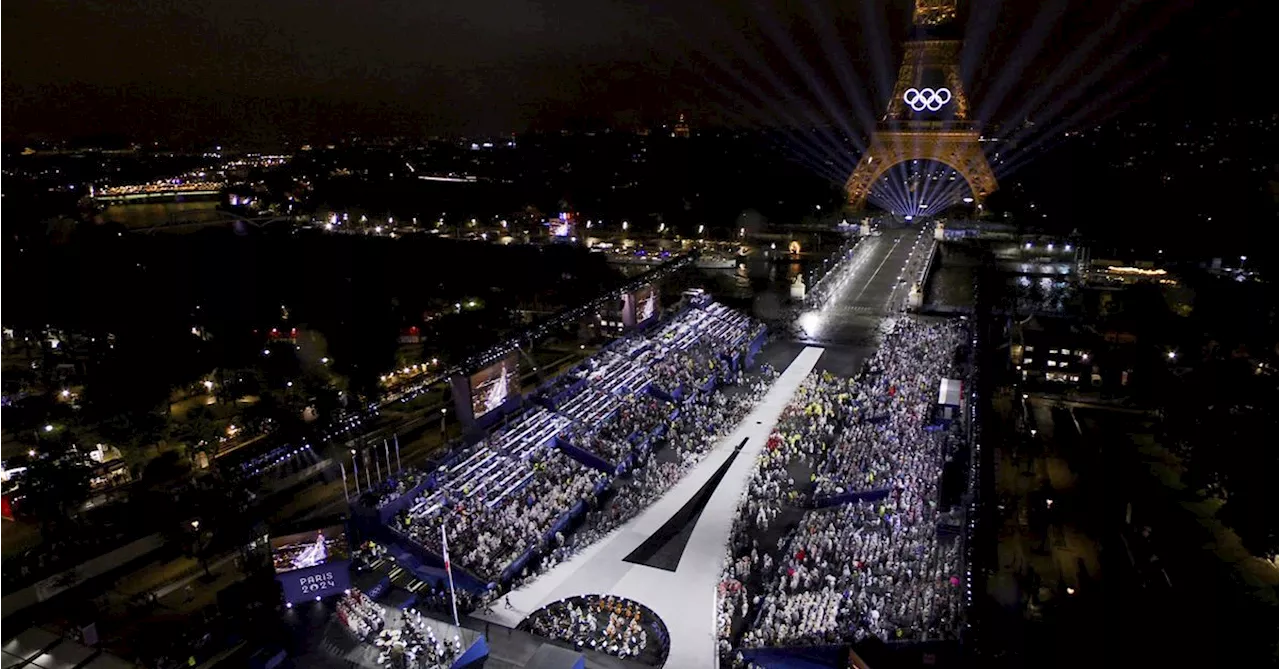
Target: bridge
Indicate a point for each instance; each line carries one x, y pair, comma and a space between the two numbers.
157, 191
192, 221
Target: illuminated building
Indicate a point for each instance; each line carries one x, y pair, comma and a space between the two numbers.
928, 113
681, 129
934, 12
1055, 351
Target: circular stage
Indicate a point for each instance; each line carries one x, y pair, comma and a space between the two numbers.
606, 624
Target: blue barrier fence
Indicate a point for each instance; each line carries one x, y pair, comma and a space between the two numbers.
661, 394
756, 344
851, 497
388, 512
800, 657
406, 551
584, 456
473, 656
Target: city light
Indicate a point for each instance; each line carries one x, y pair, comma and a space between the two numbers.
48, 428
810, 322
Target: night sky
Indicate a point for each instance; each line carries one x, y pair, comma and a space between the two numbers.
252, 70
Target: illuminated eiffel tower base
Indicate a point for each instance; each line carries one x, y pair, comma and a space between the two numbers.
928, 115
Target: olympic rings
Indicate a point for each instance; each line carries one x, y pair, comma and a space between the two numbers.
926, 98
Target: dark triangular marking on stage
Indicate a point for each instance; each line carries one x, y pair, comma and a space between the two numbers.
664, 548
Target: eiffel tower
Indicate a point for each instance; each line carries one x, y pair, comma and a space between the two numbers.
928, 116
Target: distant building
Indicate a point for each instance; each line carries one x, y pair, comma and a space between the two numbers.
681, 129
1114, 268
1055, 351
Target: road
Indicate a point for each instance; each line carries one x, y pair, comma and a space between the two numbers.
874, 286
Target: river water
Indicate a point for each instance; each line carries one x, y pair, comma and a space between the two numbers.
151, 214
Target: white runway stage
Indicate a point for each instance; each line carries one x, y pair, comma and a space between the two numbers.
684, 599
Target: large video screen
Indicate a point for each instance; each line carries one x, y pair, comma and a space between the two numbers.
640, 305
493, 385
305, 550
646, 302
315, 582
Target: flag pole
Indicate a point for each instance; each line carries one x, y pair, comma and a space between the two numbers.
396, 437
356, 466
453, 599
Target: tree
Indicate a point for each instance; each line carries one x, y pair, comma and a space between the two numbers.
55, 487
199, 428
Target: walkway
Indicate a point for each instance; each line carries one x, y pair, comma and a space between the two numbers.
685, 598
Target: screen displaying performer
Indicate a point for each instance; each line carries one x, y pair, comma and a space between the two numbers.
493, 385
647, 303
303, 550
640, 305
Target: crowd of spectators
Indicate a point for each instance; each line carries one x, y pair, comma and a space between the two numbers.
361, 615
873, 563
393, 488
505, 495
486, 536
614, 439
689, 437
612, 625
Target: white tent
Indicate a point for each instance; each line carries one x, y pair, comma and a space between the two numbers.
949, 392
